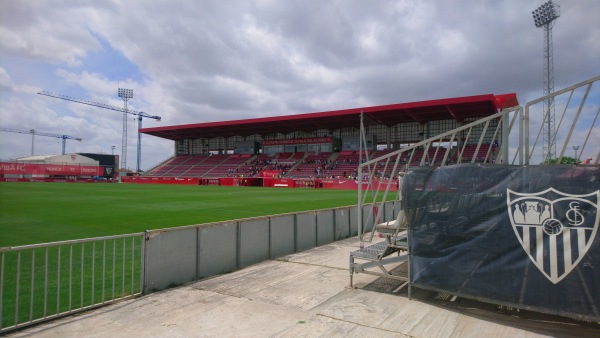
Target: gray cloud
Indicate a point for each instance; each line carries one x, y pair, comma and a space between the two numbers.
224, 60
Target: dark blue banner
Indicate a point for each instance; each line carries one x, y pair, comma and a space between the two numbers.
526, 237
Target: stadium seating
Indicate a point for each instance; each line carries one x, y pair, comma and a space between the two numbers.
284, 156
469, 153
213, 166
311, 165
227, 166
292, 165
297, 156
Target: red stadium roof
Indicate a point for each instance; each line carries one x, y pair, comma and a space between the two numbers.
459, 109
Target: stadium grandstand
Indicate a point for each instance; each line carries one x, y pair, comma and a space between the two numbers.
322, 149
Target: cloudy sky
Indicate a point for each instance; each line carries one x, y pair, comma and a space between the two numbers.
202, 61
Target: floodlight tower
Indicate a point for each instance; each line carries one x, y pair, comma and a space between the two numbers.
544, 16
124, 94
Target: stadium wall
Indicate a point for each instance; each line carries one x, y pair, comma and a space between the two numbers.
41, 170
342, 184
160, 180
177, 256
54, 180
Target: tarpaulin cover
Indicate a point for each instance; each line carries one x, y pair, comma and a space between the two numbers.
519, 236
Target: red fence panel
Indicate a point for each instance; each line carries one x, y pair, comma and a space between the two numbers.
40, 169
160, 180
278, 182
12, 168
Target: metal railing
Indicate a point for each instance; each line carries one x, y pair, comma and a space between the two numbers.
41, 282
503, 138
484, 141
580, 108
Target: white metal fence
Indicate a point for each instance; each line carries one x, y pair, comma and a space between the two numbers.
45, 281
576, 133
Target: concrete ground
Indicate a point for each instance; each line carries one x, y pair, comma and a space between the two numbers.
305, 295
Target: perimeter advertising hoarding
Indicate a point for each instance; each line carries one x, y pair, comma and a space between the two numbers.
16, 168
279, 182
525, 237
160, 180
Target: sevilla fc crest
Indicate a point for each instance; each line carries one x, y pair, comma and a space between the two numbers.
555, 229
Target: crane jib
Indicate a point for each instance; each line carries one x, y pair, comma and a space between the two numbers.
124, 110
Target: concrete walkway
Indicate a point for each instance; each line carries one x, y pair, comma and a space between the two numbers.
305, 295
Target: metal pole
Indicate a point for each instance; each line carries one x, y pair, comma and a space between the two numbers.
124, 139
505, 136
524, 131
139, 145
360, 205
124, 94
32, 140
544, 16
549, 88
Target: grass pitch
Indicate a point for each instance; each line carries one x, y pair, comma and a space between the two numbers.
45, 282
47, 212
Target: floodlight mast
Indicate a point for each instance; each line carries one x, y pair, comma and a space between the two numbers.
544, 16
125, 94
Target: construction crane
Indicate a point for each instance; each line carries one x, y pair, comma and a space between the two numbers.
33, 133
125, 111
